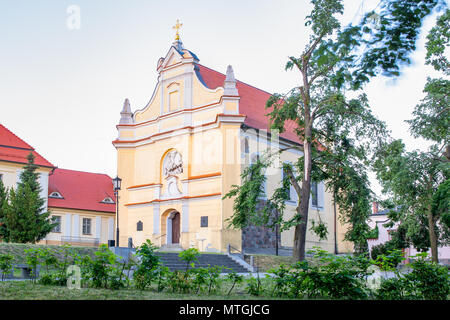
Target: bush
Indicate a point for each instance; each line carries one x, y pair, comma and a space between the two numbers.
336, 277
101, 270
234, 278
147, 267
190, 256
6, 261
430, 280
427, 280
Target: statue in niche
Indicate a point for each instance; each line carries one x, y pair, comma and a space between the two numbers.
173, 164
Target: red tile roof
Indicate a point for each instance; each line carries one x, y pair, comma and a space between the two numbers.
81, 190
14, 149
252, 103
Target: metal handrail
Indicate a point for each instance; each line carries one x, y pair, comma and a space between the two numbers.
230, 248
161, 236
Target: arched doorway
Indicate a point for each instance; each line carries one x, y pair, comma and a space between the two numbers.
173, 228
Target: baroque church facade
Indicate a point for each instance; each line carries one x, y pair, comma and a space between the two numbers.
181, 153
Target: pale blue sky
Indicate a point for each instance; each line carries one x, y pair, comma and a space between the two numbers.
61, 90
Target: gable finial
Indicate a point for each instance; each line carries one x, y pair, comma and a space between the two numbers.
126, 116
230, 83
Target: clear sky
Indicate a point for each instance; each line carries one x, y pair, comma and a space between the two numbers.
62, 89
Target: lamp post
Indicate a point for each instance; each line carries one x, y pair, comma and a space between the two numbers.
116, 184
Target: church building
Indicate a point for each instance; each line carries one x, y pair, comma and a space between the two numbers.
182, 152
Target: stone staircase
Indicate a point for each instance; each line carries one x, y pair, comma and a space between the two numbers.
173, 262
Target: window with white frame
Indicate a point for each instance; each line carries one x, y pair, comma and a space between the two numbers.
87, 223
57, 220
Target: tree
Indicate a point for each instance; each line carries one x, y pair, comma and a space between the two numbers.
417, 179
23, 217
412, 178
384, 40
336, 133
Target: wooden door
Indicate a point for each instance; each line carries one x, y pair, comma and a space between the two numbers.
176, 228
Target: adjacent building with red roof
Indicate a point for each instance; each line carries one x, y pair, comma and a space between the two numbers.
82, 203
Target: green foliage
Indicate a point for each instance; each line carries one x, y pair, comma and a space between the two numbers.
427, 280
373, 234
441, 209
432, 116
235, 279
32, 260
386, 257
22, 215
438, 40
189, 256
247, 196
6, 264
147, 269
411, 179
330, 276
180, 282
384, 40
101, 269
254, 286
213, 278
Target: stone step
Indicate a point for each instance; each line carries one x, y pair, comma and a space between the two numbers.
173, 262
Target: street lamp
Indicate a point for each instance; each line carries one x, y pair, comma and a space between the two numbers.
116, 184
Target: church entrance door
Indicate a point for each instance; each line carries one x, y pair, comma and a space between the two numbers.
176, 228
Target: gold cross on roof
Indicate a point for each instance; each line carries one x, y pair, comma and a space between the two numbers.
177, 27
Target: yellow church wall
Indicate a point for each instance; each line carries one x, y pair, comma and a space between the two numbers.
152, 109
206, 115
211, 234
206, 152
126, 134
231, 171
146, 131
171, 123
204, 96
205, 186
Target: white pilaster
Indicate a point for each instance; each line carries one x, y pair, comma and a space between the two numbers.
156, 219
68, 225
76, 226
111, 229
98, 227
185, 216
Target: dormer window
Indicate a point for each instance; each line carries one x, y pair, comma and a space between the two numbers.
108, 200
56, 195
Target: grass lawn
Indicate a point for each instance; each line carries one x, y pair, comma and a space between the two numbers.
265, 262
26, 290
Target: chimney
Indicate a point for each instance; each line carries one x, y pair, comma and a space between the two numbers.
374, 207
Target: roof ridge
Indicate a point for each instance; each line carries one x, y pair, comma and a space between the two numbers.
245, 83
12, 133
89, 172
